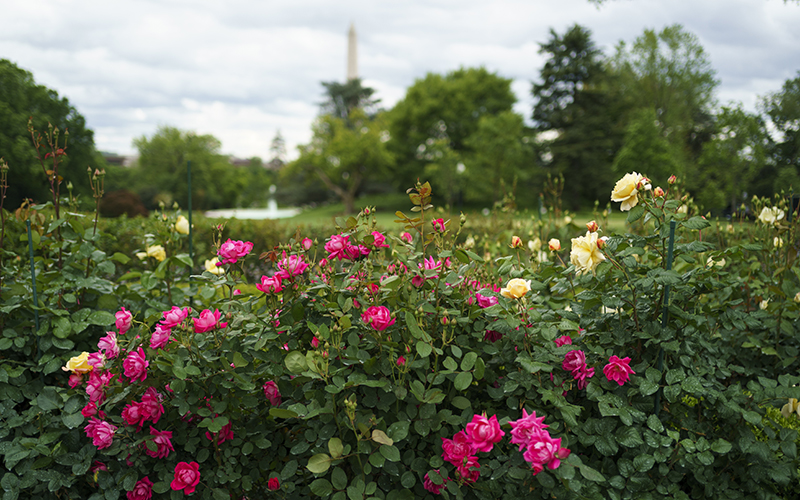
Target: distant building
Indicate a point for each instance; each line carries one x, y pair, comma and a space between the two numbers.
119, 160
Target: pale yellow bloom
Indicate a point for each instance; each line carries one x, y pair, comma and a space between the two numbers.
683, 209
797, 297
182, 225
763, 305
541, 256
567, 220
469, 243
535, 245
791, 407
78, 364
626, 191
585, 255
211, 266
777, 242
712, 263
554, 244
516, 288
771, 216
157, 252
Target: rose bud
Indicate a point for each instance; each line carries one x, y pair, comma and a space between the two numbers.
592, 226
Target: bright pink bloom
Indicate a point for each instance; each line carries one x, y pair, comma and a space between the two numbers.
174, 316
431, 264
291, 266
187, 477
136, 365
134, 414
544, 450
207, 321
525, 428
231, 251
142, 490
273, 484
337, 246
485, 302
124, 319
101, 432
492, 336
458, 449
618, 370
109, 345
563, 340
466, 472
583, 375
151, 405
574, 360
434, 488
379, 240
225, 434
315, 342
96, 385
160, 337
401, 361
272, 393
163, 442
438, 225
270, 284
96, 360
91, 410
323, 262
484, 433
407, 237
75, 379
307, 243
418, 280
378, 317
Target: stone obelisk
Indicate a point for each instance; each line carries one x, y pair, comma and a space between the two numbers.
352, 54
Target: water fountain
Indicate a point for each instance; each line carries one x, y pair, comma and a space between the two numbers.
271, 212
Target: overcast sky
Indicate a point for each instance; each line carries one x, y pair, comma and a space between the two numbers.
243, 69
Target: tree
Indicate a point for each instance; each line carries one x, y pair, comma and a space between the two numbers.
277, 151
443, 107
783, 111
732, 161
20, 99
577, 103
344, 153
162, 170
670, 72
342, 98
646, 150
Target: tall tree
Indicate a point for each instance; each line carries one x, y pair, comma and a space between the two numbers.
782, 108
646, 150
342, 98
22, 98
575, 102
443, 107
277, 151
344, 153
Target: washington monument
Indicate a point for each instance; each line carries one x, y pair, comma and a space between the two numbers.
352, 54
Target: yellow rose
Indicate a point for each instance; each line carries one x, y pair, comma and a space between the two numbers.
211, 266
797, 297
585, 254
535, 245
791, 407
157, 252
777, 242
770, 216
78, 364
626, 191
554, 244
516, 288
182, 225
763, 305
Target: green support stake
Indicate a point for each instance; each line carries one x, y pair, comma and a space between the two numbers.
665, 313
189, 208
33, 285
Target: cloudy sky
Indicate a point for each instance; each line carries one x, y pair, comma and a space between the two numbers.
243, 69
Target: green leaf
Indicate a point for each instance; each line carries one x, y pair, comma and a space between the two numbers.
339, 478
721, 446
296, 362
398, 430
390, 453
591, 474
72, 420
48, 399
335, 447
697, 223
480, 367
646, 387
320, 487
469, 361
635, 214
102, 318
654, 423
380, 437
643, 462
424, 349
282, 413
462, 381
414, 328
238, 360
319, 463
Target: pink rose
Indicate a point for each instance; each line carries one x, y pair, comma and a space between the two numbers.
434, 488
96, 385
525, 428
96, 360
207, 321
124, 319
574, 360
136, 365
273, 484
151, 405
406, 237
109, 345
96, 467
418, 280
231, 251
484, 433
438, 225
101, 432
174, 316
307, 243
142, 490
401, 361
291, 266
134, 414
379, 240
315, 342
90, 410
337, 246
75, 379
187, 477
617, 370
431, 264
160, 337
272, 393
492, 336
563, 340
467, 474
544, 450
270, 284
355, 252
378, 317
163, 442
457, 449
485, 302
583, 375
225, 434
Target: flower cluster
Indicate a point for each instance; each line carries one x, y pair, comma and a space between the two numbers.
538, 447
340, 248
575, 362
481, 434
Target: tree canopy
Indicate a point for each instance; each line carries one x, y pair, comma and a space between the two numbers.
22, 98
